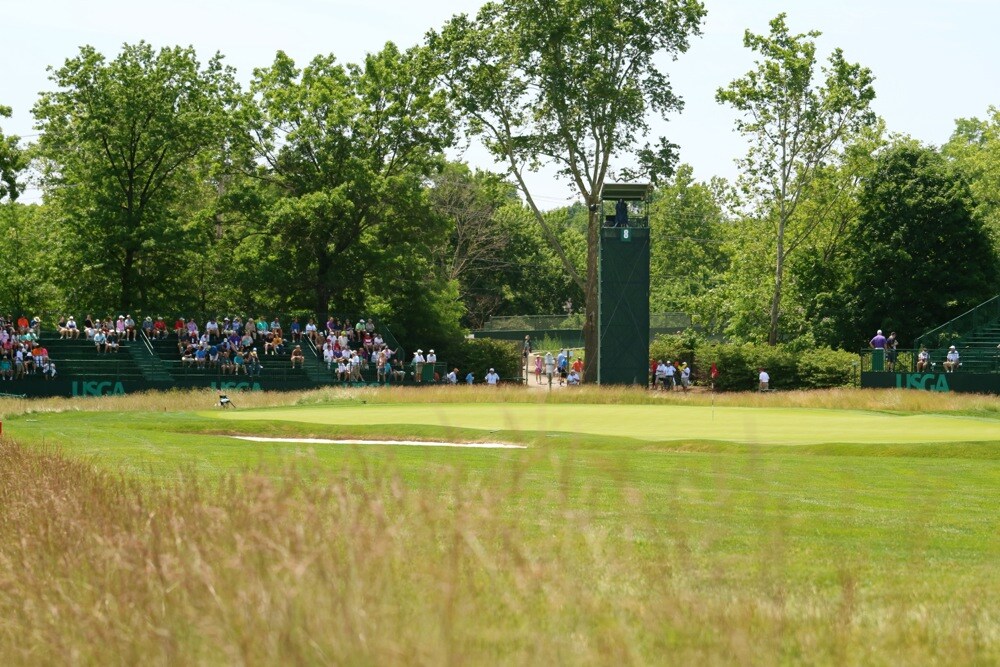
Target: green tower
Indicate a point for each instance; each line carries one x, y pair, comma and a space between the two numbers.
623, 284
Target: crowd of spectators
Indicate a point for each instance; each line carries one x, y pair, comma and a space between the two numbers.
22, 354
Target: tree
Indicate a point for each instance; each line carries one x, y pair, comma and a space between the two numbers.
13, 162
122, 143
571, 83
338, 153
919, 255
975, 147
686, 223
795, 125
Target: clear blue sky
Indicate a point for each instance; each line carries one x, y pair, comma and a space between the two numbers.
934, 61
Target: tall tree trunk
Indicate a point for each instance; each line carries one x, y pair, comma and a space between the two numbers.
779, 275
126, 279
322, 289
591, 328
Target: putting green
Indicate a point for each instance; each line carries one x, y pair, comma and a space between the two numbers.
656, 423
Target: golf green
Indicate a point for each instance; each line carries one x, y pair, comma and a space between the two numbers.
655, 423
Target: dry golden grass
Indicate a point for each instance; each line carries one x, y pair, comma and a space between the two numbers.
94, 570
202, 399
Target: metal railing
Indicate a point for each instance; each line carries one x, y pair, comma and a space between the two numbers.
970, 360
952, 331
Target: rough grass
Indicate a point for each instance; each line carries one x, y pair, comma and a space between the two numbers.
581, 553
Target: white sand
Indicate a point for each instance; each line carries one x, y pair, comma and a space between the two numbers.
411, 443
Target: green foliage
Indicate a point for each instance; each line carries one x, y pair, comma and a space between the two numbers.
795, 125
13, 162
479, 355
920, 255
123, 143
789, 366
570, 83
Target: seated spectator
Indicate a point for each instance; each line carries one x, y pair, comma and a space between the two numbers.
212, 329
200, 356
6, 367
253, 365
312, 332
295, 330
452, 377
27, 361
130, 331
180, 328
100, 338
262, 328
120, 327
23, 324
192, 329
951, 362
112, 343
227, 327
147, 327
49, 370
41, 355
225, 363
246, 343
89, 326
213, 356
343, 371
276, 345
160, 328
298, 357
275, 327
237, 326
923, 360
36, 325
328, 354
238, 365
573, 380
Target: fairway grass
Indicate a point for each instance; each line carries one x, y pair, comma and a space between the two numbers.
655, 423
632, 529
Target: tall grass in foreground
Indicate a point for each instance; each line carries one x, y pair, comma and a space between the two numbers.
201, 399
366, 569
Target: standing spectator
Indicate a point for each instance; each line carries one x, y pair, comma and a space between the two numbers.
765, 379
418, 365
878, 341
685, 376
492, 378
452, 377
538, 369
432, 358
660, 375
470, 378
951, 360
525, 351
578, 367
550, 367
890, 352
670, 382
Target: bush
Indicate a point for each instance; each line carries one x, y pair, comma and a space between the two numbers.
738, 364
479, 355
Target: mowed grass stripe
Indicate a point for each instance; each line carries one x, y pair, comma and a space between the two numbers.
655, 423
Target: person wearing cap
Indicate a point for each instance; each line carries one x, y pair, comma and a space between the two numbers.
492, 378
298, 357
147, 326
951, 360
670, 381
573, 379
160, 327
685, 376
418, 366
72, 331
432, 357
878, 342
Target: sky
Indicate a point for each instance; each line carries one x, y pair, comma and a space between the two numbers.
934, 61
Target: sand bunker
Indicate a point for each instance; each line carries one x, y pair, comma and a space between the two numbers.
410, 443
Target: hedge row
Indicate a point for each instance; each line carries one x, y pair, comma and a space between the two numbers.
789, 368
479, 355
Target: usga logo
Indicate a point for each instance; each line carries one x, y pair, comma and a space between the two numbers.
94, 388
925, 381
236, 386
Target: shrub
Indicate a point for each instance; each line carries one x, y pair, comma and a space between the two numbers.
481, 354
